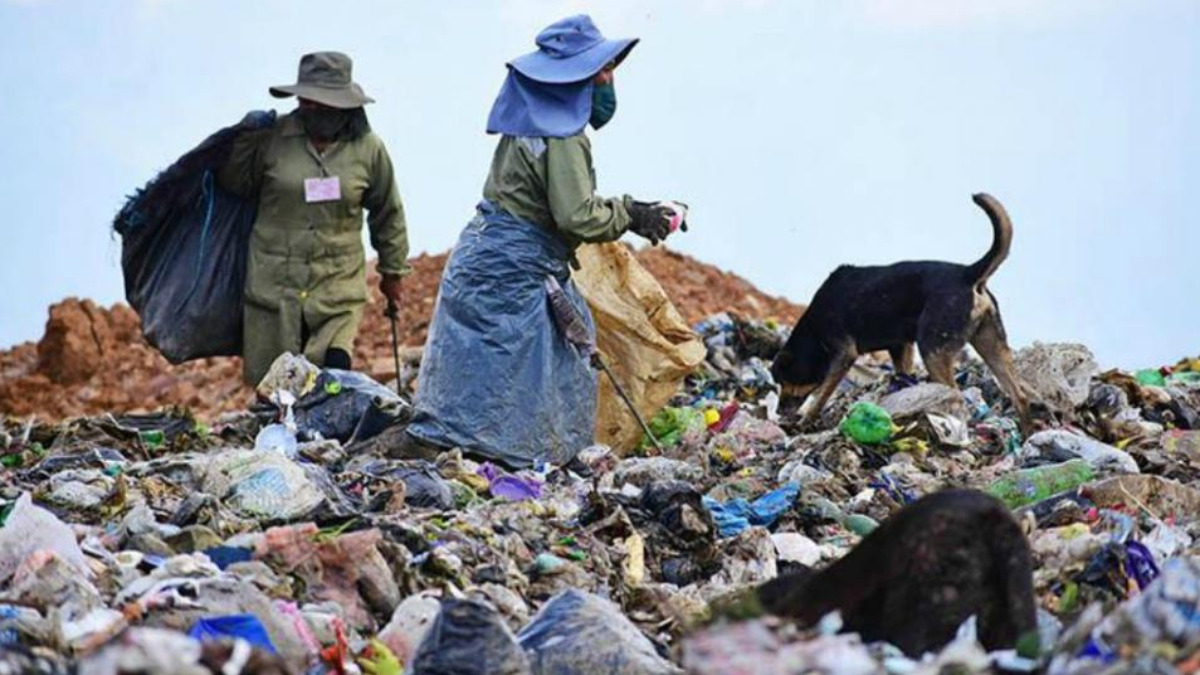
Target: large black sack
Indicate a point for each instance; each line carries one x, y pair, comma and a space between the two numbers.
183, 251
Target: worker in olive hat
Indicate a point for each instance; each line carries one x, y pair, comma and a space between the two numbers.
313, 173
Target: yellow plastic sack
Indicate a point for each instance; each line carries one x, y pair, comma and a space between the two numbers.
644, 339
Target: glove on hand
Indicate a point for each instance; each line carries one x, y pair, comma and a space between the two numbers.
651, 221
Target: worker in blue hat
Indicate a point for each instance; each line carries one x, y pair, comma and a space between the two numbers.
498, 380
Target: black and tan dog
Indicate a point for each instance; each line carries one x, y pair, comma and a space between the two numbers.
939, 307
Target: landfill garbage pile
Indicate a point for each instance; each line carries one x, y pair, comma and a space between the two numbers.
92, 360
278, 538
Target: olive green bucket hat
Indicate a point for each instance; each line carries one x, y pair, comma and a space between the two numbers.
325, 78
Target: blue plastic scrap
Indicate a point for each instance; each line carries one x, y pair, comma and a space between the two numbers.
224, 556
244, 626
1139, 564
737, 515
893, 488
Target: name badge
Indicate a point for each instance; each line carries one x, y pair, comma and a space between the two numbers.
322, 189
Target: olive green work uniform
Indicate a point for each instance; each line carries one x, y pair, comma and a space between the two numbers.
307, 268
551, 182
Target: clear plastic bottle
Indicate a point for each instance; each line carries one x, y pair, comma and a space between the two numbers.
1028, 486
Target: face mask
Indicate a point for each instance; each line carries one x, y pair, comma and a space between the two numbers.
604, 104
323, 124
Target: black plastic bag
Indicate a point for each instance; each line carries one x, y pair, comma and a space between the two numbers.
424, 486
469, 637
183, 252
349, 406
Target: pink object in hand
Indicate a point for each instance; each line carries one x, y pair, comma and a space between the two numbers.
678, 213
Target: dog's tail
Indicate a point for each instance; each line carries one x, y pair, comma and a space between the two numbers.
1001, 240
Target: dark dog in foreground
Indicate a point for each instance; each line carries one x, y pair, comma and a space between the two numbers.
917, 578
939, 307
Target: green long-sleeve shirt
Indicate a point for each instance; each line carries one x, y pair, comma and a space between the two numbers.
551, 182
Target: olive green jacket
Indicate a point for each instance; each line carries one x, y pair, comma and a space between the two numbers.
551, 182
306, 260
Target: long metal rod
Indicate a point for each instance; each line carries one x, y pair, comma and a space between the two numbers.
625, 397
392, 315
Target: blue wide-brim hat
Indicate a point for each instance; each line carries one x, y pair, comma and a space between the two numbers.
571, 50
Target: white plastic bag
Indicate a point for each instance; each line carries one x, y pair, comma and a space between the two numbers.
29, 529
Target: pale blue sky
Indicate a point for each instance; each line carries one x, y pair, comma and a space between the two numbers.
804, 134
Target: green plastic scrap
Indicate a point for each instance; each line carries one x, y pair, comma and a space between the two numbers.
333, 387
868, 424
860, 524
1151, 377
153, 438
1186, 378
1069, 602
1029, 645
548, 563
670, 425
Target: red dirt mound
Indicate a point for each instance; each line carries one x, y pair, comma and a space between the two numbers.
93, 360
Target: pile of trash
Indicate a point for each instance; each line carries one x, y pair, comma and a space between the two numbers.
281, 538
93, 360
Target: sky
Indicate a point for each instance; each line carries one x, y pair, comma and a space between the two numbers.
804, 134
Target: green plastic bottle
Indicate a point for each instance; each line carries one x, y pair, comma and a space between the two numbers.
1028, 486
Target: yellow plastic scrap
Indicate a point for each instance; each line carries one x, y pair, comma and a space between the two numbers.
725, 455
377, 659
476, 482
711, 416
1190, 364
911, 445
310, 383
1073, 531
635, 559
330, 533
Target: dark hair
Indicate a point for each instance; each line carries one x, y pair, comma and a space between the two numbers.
356, 125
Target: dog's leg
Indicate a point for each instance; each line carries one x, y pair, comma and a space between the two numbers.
841, 364
990, 342
792, 397
940, 363
902, 358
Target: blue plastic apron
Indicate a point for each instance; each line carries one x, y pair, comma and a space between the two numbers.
497, 377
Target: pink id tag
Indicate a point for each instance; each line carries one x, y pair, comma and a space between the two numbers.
322, 189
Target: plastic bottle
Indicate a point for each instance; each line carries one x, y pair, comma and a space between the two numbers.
1027, 486
858, 523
